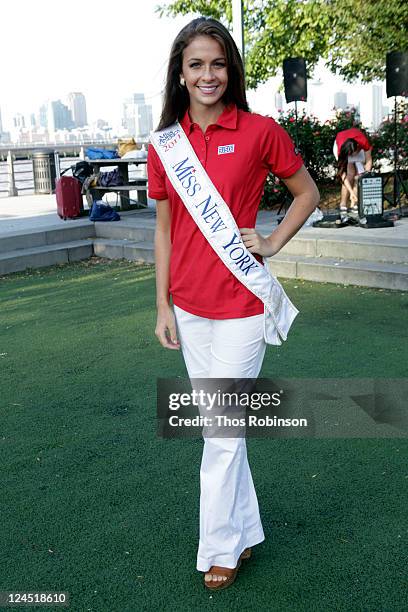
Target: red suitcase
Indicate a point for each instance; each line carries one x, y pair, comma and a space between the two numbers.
69, 198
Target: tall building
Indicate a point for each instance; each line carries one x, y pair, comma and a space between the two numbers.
278, 101
376, 105
340, 100
43, 116
137, 116
58, 116
19, 121
138, 98
315, 100
77, 106
4, 136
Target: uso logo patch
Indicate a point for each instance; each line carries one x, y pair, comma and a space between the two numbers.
222, 150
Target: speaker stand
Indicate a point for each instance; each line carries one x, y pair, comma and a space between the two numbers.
398, 182
296, 126
285, 204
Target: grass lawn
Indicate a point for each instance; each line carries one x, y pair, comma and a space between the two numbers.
95, 504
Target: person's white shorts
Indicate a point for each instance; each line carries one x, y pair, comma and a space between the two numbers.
358, 159
229, 512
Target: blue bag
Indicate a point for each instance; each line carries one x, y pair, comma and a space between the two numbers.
102, 212
110, 179
96, 153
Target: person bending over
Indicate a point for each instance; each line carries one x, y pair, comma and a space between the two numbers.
352, 151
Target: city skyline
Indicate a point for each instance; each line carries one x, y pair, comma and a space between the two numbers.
56, 122
54, 117
145, 39
45, 65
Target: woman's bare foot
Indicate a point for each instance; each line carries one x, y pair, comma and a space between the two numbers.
219, 577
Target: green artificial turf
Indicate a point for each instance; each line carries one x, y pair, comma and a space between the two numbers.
95, 504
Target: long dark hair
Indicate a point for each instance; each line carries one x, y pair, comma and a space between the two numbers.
176, 98
348, 147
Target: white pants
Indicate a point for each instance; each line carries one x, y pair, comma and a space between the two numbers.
229, 512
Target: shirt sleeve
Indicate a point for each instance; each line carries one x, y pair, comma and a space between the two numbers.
365, 143
278, 151
156, 176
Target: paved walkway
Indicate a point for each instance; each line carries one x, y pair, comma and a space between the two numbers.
31, 212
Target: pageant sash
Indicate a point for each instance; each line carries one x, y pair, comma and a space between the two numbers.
216, 222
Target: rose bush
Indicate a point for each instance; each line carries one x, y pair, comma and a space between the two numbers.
316, 139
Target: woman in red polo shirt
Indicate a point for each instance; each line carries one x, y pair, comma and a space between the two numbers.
352, 150
216, 321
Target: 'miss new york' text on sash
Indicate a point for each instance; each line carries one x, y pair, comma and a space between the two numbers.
216, 222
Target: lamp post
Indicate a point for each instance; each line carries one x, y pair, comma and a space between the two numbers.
238, 27
12, 190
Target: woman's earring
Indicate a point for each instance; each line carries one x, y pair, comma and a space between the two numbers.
182, 81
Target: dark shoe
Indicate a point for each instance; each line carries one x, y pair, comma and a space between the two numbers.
353, 215
342, 222
343, 214
353, 211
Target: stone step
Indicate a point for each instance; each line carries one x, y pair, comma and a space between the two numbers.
133, 229
124, 249
382, 264
333, 270
322, 269
351, 249
136, 232
58, 234
45, 255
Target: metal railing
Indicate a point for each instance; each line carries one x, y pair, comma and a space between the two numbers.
63, 148
17, 176
16, 172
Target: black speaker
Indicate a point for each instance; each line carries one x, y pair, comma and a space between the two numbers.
294, 79
397, 73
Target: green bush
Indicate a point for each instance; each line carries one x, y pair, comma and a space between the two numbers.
315, 141
383, 139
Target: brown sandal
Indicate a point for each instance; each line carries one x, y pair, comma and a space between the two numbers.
228, 574
246, 554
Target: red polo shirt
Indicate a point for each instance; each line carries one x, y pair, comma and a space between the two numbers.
357, 135
237, 151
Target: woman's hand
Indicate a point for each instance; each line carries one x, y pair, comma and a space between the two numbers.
166, 327
255, 243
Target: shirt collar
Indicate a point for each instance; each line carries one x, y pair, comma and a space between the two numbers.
227, 119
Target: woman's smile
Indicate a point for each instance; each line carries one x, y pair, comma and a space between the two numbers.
207, 89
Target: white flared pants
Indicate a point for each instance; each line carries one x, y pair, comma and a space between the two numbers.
229, 512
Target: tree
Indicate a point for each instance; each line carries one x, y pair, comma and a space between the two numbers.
353, 37
363, 33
